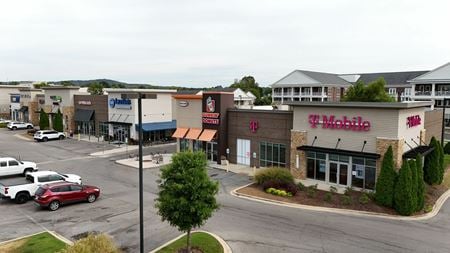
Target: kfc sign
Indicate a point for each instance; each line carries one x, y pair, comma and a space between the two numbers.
344, 123
210, 105
413, 121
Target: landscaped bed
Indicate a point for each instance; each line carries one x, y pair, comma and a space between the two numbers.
42, 243
201, 243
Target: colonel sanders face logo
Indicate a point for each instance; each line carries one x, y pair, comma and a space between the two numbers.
210, 105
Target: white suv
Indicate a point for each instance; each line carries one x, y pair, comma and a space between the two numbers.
45, 135
19, 125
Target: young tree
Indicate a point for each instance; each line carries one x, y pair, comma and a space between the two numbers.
58, 122
403, 198
420, 184
447, 148
414, 182
431, 168
384, 192
186, 196
96, 88
43, 120
441, 162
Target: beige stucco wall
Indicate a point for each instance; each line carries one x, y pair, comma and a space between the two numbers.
385, 123
189, 116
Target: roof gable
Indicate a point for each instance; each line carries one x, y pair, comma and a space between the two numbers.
295, 77
304, 77
441, 73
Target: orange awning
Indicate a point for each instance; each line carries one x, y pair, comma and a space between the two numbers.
180, 132
193, 133
207, 135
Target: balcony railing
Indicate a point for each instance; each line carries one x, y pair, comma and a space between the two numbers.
317, 93
306, 93
423, 93
296, 93
277, 94
442, 93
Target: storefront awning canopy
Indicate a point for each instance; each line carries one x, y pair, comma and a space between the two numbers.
420, 150
207, 135
23, 109
83, 115
193, 133
339, 151
180, 133
156, 126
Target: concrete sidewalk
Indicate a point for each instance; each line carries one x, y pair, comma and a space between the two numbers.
236, 168
149, 161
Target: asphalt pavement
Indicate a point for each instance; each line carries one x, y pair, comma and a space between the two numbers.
245, 225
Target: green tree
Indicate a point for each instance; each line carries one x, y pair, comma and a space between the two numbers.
384, 193
186, 196
373, 92
95, 88
431, 168
40, 85
420, 184
441, 162
414, 182
58, 122
403, 197
248, 83
66, 83
447, 148
43, 120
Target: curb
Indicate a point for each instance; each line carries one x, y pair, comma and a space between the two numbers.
225, 246
53, 233
437, 206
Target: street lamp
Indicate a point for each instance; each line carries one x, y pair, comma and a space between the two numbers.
140, 96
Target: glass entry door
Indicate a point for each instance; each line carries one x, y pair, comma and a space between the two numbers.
211, 151
338, 173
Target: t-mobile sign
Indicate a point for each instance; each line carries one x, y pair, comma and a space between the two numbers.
345, 123
413, 121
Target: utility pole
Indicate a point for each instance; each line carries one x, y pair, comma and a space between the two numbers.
141, 187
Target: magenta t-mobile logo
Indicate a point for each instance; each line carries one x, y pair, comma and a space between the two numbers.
253, 125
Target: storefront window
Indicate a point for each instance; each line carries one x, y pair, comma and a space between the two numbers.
198, 145
316, 165
272, 155
184, 145
363, 173
103, 129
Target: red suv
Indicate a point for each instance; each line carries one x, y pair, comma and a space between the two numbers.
56, 194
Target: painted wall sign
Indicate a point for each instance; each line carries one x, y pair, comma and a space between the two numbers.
81, 102
254, 125
120, 103
344, 123
183, 103
210, 105
413, 121
15, 98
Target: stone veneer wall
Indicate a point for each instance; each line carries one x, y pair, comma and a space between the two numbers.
397, 146
33, 116
298, 138
69, 112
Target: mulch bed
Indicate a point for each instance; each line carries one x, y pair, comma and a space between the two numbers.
433, 193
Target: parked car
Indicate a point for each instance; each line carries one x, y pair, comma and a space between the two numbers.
10, 166
19, 125
52, 196
45, 135
22, 189
4, 121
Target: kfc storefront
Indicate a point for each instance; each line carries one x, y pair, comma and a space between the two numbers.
343, 144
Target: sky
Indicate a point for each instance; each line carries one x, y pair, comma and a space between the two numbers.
207, 43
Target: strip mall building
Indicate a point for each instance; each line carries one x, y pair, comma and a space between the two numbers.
339, 144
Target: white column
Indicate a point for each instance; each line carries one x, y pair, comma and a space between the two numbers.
433, 88
282, 95
323, 92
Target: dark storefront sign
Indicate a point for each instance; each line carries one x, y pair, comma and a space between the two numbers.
120, 103
15, 98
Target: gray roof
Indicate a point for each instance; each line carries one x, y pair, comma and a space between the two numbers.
381, 105
391, 78
440, 74
304, 77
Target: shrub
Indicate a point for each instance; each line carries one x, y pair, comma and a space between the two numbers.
431, 168
441, 163
3, 125
420, 184
278, 192
301, 186
447, 148
311, 191
403, 199
274, 173
328, 197
279, 184
333, 189
384, 194
364, 198
428, 208
412, 167
346, 200
93, 244
44, 122
348, 191
58, 122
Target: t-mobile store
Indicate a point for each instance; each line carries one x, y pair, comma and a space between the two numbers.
343, 144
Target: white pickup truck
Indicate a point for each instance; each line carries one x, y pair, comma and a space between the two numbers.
22, 189
10, 166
